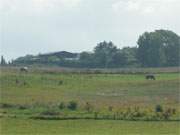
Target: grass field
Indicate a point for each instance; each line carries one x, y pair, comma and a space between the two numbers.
110, 96
90, 127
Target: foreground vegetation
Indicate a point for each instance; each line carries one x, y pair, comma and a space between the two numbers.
90, 127
88, 101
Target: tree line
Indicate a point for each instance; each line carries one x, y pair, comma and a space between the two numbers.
160, 48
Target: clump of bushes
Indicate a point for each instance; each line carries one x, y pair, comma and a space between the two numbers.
23, 107
49, 113
110, 108
96, 115
72, 105
158, 108
168, 113
5, 105
62, 106
88, 107
60, 82
164, 113
55, 111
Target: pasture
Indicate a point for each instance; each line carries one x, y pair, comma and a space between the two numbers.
84, 127
107, 103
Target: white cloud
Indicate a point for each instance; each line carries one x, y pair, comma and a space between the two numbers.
54, 3
48, 25
36, 5
145, 6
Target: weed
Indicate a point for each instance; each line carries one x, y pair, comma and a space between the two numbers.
88, 107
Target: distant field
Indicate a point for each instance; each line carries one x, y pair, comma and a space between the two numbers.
25, 95
100, 89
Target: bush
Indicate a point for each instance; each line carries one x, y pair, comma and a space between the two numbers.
166, 115
88, 107
49, 113
173, 111
169, 113
21, 107
5, 105
62, 105
72, 105
96, 115
110, 108
60, 82
158, 108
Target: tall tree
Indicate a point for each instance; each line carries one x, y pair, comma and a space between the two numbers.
130, 54
159, 48
171, 45
103, 54
3, 61
119, 59
86, 59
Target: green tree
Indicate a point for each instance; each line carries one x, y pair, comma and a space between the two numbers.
130, 56
86, 59
159, 48
3, 61
171, 45
104, 53
119, 59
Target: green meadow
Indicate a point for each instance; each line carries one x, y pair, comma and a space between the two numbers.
87, 127
42, 102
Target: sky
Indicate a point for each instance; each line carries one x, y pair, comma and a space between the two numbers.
42, 26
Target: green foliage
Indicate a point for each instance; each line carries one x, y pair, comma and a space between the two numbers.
110, 108
96, 115
72, 105
49, 113
159, 108
62, 105
88, 107
103, 54
159, 48
155, 49
3, 61
86, 59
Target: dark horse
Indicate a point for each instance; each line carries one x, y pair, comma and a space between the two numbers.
151, 77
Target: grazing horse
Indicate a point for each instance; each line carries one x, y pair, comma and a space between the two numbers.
24, 69
151, 77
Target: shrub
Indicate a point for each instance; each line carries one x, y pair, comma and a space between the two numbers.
62, 105
88, 107
60, 82
158, 108
166, 115
72, 105
96, 115
22, 107
49, 113
110, 108
5, 105
173, 111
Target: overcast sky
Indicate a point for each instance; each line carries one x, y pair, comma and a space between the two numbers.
41, 26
